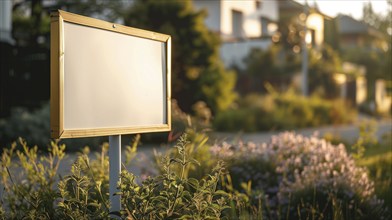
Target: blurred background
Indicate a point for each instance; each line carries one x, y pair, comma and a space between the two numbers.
254, 65
243, 71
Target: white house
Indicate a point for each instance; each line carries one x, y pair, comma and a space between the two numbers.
242, 25
6, 21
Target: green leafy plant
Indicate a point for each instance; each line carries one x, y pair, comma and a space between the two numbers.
378, 160
292, 177
31, 194
172, 195
81, 195
367, 132
2, 212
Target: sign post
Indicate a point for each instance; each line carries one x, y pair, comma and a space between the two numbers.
107, 80
114, 172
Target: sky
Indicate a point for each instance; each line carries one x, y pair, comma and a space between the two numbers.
348, 7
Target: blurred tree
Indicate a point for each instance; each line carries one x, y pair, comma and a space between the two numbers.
27, 62
31, 18
278, 67
369, 16
376, 58
292, 18
323, 64
197, 71
31, 23
331, 33
25, 80
106, 10
379, 61
290, 27
275, 66
379, 21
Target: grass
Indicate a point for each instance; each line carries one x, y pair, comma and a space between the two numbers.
378, 160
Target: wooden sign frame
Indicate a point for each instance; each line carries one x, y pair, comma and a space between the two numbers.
58, 130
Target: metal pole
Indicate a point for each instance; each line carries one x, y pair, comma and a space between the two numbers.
305, 55
114, 172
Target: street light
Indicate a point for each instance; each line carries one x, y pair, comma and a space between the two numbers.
305, 38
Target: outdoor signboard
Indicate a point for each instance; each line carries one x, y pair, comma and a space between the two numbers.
107, 79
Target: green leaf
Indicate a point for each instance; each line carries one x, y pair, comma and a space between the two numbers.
221, 193
194, 161
186, 217
186, 195
193, 183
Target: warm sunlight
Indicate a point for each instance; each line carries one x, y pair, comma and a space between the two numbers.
348, 7
196, 109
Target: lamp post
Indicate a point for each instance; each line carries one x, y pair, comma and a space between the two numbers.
305, 54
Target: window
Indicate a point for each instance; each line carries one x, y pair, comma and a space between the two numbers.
237, 24
264, 26
258, 4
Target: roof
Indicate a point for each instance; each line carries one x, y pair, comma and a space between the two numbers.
348, 25
296, 7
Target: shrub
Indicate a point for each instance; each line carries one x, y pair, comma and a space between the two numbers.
303, 176
28, 182
278, 65
378, 159
291, 177
282, 111
34, 126
173, 195
380, 169
82, 194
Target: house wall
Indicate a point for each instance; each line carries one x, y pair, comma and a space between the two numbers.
251, 26
361, 90
316, 22
220, 16
383, 101
270, 9
213, 9
239, 41
5, 21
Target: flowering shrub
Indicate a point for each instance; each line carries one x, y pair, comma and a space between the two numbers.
291, 177
302, 176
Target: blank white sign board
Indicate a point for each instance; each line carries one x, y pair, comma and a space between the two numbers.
107, 79
122, 83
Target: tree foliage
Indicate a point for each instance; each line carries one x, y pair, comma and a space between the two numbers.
379, 63
106, 10
197, 71
323, 64
30, 22
274, 65
379, 21
278, 66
